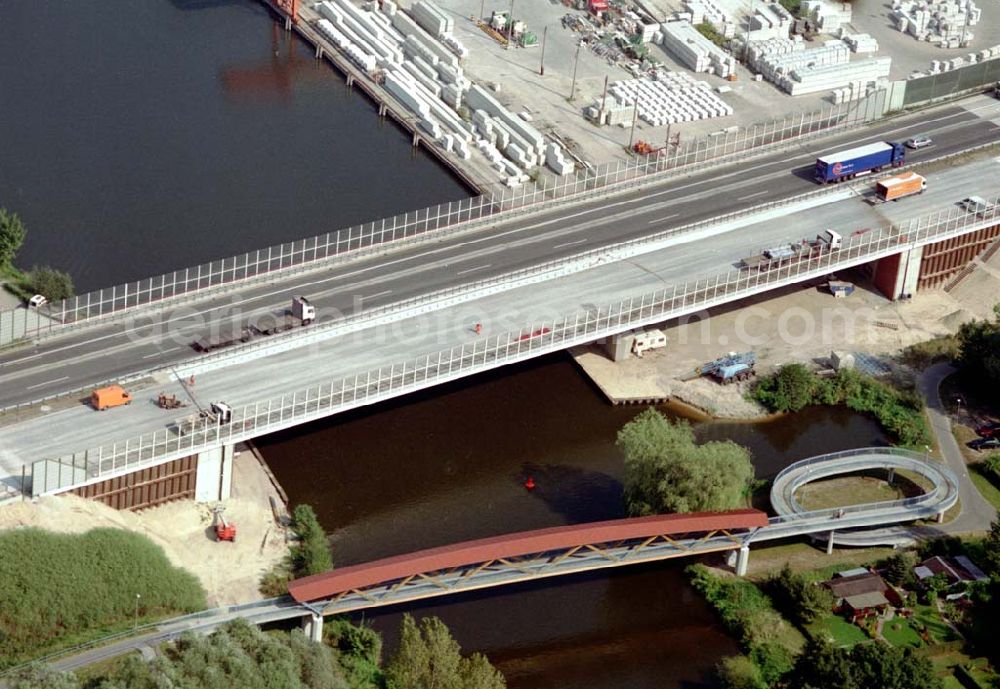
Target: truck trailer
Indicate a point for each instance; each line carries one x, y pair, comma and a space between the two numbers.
302, 313
828, 240
898, 186
860, 160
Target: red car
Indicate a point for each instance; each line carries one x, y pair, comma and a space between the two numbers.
989, 430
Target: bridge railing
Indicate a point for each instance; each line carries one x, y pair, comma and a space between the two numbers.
938, 494
322, 250
259, 418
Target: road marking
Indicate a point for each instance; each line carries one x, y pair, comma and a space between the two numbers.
653, 222
49, 382
164, 351
376, 296
578, 241
472, 270
750, 196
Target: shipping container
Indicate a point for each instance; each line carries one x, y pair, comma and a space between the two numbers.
859, 161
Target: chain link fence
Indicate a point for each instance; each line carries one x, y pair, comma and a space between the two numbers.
259, 418
325, 249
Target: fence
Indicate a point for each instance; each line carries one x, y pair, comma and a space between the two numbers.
945, 84
321, 250
371, 386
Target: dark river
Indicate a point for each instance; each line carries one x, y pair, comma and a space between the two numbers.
447, 465
141, 136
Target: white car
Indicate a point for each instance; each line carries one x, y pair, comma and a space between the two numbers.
919, 142
37, 301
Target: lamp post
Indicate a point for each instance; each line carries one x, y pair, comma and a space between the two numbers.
135, 619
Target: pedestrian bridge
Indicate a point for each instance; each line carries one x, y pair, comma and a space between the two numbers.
528, 555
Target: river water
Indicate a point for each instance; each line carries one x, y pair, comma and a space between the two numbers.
143, 136
448, 465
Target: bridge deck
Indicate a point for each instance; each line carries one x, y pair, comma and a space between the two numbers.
498, 548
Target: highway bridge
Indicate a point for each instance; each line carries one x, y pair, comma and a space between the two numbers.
402, 321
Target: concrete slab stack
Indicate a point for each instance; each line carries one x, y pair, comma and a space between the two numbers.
671, 97
861, 43
770, 21
828, 17
432, 19
827, 77
556, 160
944, 23
695, 51
712, 12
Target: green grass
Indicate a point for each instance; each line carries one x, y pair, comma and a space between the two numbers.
937, 628
58, 590
900, 633
984, 485
840, 630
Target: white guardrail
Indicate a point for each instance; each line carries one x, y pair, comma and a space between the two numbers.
460, 216
259, 418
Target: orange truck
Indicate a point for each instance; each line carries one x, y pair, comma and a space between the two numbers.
898, 186
111, 396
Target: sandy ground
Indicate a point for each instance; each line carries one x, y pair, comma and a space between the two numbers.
802, 324
229, 572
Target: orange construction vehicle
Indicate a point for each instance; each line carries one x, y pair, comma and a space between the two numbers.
224, 531
111, 396
643, 148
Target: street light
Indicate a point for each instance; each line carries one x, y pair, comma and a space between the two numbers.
135, 620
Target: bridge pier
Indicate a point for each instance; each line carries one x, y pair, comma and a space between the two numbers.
214, 478
829, 544
940, 517
319, 52
743, 561
312, 625
892, 475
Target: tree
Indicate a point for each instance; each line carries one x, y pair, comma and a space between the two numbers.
980, 350
667, 471
54, 284
429, 658
12, 234
739, 672
821, 666
800, 600
43, 677
312, 553
936, 584
899, 568
991, 549
791, 389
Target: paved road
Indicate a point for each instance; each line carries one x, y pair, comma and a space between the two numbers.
977, 512
109, 351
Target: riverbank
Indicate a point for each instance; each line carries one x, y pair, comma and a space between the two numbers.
229, 572
797, 324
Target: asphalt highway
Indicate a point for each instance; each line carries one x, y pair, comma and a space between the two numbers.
104, 352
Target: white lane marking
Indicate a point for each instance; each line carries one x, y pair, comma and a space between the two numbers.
653, 222
376, 296
472, 270
48, 382
750, 196
160, 353
578, 241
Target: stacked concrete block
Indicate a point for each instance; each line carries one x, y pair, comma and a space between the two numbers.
452, 95
778, 65
432, 19
403, 23
861, 43
812, 79
829, 17
478, 98
770, 21
695, 51
402, 89
357, 55
945, 23
556, 160
712, 12
670, 98
432, 86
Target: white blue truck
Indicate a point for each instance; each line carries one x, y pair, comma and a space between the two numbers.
861, 160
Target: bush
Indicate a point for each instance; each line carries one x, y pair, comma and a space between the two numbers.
312, 553
899, 412
429, 657
56, 587
980, 351
749, 614
709, 32
739, 672
12, 234
798, 599
667, 471
898, 568
359, 651
54, 284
